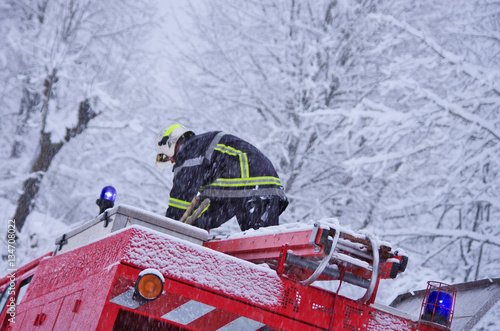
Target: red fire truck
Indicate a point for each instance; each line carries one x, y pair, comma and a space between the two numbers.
130, 269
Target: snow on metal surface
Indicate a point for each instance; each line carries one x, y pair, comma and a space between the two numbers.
152, 271
385, 322
270, 230
325, 223
202, 266
61, 270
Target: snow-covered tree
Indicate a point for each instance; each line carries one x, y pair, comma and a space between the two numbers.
68, 61
443, 79
281, 68
383, 113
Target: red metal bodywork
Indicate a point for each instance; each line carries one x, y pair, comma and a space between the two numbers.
91, 287
310, 244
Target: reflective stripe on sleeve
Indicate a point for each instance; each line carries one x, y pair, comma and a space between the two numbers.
176, 203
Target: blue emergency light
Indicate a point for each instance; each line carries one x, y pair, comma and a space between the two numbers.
440, 302
438, 307
108, 193
107, 198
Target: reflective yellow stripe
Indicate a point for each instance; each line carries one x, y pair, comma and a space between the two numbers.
170, 129
226, 149
242, 182
217, 192
176, 203
245, 169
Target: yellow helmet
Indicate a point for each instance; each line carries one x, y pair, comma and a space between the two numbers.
166, 142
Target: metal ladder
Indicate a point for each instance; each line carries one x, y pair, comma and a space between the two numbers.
319, 251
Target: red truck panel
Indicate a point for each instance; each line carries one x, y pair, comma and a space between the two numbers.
91, 288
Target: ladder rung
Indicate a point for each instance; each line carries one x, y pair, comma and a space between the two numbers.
352, 248
351, 260
352, 253
329, 271
384, 251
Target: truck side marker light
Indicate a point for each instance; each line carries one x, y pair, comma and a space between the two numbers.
149, 285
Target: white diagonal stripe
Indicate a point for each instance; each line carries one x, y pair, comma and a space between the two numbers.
188, 312
243, 324
125, 299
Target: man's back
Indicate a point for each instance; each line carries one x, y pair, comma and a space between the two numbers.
231, 173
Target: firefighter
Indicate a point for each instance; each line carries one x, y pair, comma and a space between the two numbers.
234, 175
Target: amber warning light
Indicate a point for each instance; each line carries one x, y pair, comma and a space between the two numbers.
149, 285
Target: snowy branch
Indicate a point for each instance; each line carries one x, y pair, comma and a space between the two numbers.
442, 233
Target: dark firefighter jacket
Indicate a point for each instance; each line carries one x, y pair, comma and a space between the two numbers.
221, 166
